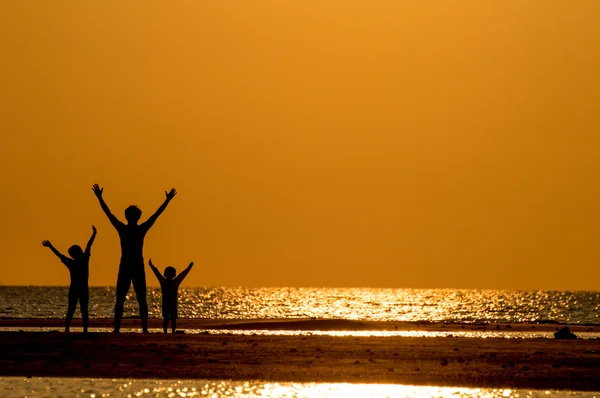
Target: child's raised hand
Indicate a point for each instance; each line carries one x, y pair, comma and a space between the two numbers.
97, 190
171, 194
191, 264
46, 243
150, 262
94, 228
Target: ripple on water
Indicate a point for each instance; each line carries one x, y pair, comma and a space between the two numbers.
13, 387
411, 305
482, 334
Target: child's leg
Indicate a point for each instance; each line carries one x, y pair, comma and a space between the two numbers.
71, 309
165, 314
83, 307
165, 323
174, 318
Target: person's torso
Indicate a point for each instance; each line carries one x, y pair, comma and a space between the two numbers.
79, 270
169, 294
132, 242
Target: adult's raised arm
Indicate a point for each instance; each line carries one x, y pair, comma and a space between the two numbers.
168, 197
113, 220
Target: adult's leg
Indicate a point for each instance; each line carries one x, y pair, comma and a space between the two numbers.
71, 308
123, 283
83, 307
173, 322
139, 285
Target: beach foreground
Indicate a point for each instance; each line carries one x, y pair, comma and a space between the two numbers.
443, 361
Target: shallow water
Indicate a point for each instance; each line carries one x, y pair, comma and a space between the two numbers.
18, 387
484, 334
451, 305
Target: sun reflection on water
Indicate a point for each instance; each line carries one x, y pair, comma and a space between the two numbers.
369, 304
12, 387
339, 333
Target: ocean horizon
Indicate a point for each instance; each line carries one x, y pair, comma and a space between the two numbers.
365, 304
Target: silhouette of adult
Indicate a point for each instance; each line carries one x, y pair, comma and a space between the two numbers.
131, 267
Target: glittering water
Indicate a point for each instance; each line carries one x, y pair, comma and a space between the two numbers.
13, 387
331, 303
482, 334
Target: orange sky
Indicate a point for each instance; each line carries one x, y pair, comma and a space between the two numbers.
383, 143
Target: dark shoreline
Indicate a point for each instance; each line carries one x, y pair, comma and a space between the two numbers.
442, 361
306, 324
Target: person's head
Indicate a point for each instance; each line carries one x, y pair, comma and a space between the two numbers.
133, 214
75, 251
170, 272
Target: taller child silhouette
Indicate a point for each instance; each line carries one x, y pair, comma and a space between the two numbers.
131, 267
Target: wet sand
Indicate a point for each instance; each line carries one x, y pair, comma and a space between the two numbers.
300, 324
443, 361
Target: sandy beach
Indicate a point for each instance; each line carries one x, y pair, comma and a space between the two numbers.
444, 361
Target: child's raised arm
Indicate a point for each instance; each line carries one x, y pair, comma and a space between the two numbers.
46, 243
160, 278
183, 274
88, 248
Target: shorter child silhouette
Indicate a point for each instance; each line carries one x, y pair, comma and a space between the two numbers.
169, 283
79, 268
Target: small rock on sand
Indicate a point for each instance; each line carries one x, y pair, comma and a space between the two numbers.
565, 333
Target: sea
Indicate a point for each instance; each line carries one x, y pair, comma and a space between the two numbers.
367, 304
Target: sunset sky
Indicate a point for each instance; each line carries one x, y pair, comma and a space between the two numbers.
379, 143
